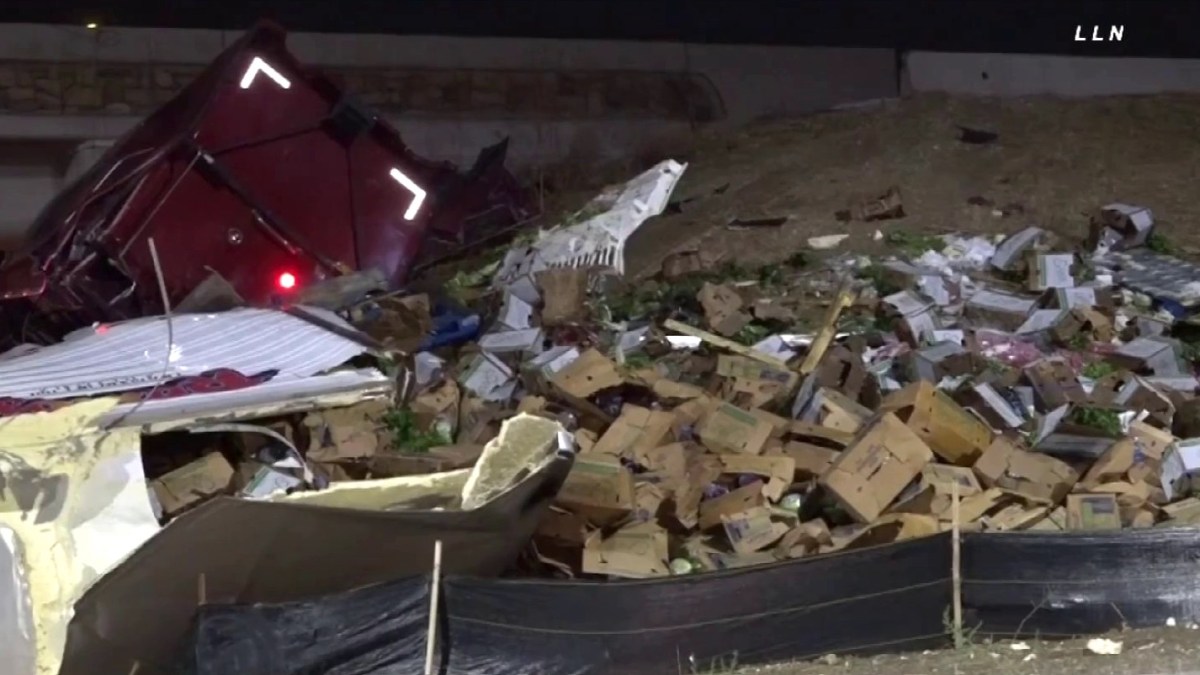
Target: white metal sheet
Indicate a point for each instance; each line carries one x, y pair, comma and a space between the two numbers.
112, 358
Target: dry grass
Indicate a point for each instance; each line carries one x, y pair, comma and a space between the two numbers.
1056, 158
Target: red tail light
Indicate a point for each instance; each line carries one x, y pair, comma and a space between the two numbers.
286, 281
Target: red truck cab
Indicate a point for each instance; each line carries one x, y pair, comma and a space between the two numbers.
262, 171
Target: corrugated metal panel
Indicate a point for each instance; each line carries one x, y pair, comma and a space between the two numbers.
130, 355
271, 398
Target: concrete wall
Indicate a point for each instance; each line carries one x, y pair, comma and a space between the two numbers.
1035, 74
608, 94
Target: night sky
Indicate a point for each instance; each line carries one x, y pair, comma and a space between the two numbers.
1152, 27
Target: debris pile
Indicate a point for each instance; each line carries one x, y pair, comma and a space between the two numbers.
1044, 384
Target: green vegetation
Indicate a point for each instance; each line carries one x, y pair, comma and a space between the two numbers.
1161, 244
1103, 420
915, 244
406, 437
1099, 369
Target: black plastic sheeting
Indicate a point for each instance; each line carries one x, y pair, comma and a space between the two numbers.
1027, 584
890, 598
372, 630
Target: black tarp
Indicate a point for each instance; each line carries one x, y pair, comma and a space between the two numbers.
1030, 584
234, 551
367, 631
880, 599
891, 598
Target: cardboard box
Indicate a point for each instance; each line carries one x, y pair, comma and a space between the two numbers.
893, 528
1010, 253
668, 463
876, 467
1055, 384
635, 430
348, 433
992, 309
1093, 512
564, 290
192, 483
728, 428
778, 471
1132, 223
1039, 477
1055, 434
945, 359
934, 494
1014, 517
1180, 465
806, 538
916, 320
722, 309
1130, 392
811, 461
591, 373
1079, 296
735, 501
599, 488
1150, 355
1116, 463
951, 432
1084, 321
267, 480
752, 530
838, 411
1185, 512
1051, 270
997, 410
634, 552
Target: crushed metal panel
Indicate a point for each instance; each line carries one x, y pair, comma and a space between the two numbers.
269, 399
130, 355
17, 641
75, 498
600, 239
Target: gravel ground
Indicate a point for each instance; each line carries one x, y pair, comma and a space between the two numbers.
1158, 651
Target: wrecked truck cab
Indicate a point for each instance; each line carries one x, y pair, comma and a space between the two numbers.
261, 171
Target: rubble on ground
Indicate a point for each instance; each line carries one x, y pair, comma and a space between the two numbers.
724, 417
719, 426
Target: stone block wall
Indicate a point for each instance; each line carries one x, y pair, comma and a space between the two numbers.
74, 88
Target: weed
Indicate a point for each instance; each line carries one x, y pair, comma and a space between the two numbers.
797, 260
638, 361
1099, 369
915, 244
1161, 244
406, 437
771, 276
1190, 351
752, 333
1080, 342
1103, 420
879, 280
963, 637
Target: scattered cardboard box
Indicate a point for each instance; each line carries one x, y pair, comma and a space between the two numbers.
951, 432
634, 552
728, 428
876, 467
192, 483
599, 488
1093, 512
1039, 477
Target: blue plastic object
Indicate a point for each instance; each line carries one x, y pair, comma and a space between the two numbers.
451, 328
